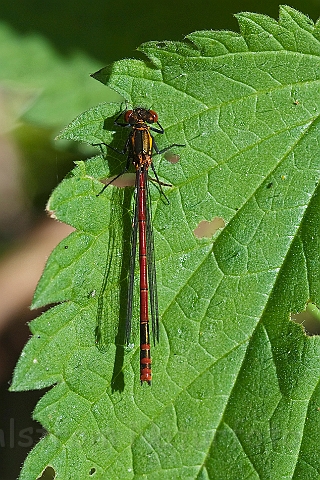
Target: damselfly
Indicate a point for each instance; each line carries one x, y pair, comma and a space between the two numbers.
139, 146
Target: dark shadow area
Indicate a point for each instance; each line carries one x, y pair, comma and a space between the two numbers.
117, 374
104, 331
108, 31
18, 432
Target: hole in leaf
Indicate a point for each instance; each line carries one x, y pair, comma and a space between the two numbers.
172, 157
128, 180
48, 474
309, 319
207, 229
125, 180
161, 44
92, 471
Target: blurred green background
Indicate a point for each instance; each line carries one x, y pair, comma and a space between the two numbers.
47, 52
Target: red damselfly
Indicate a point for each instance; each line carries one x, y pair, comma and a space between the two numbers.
139, 146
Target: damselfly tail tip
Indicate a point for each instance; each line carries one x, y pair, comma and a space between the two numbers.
145, 370
145, 380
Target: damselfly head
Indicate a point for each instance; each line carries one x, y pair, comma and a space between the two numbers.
140, 115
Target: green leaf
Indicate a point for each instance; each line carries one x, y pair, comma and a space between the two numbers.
235, 391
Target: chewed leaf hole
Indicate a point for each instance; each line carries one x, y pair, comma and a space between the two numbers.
48, 474
207, 229
172, 157
125, 180
309, 319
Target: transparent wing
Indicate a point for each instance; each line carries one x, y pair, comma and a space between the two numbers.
152, 277
134, 234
